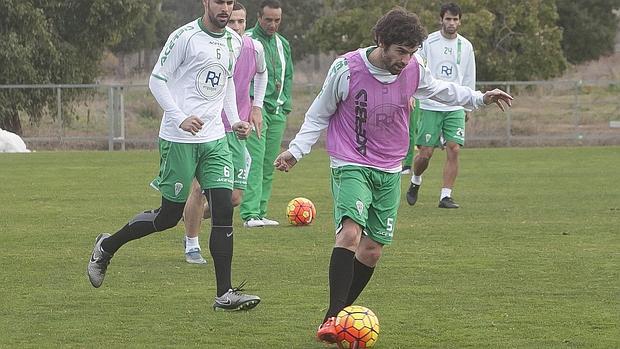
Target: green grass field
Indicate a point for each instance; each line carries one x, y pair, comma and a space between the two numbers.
531, 260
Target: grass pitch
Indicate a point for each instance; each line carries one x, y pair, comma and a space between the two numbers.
531, 260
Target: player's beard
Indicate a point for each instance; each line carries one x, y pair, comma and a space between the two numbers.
217, 21
394, 68
449, 30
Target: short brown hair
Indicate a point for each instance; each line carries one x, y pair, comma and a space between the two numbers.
238, 6
268, 3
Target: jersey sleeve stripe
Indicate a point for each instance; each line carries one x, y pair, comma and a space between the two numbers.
159, 77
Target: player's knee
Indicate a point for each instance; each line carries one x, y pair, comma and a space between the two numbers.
237, 196
196, 190
347, 239
349, 235
453, 147
425, 153
169, 215
370, 255
221, 206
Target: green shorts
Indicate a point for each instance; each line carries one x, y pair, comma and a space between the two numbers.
369, 197
433, 124
241, 160
179, 163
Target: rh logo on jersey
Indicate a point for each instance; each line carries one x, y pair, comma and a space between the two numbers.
213, 78
447, 71
385, 115
211, 81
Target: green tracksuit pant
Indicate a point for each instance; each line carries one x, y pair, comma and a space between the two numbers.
414, 117
263, 152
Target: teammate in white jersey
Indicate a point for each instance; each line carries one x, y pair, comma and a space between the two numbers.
450, 57
250, 67
192, 81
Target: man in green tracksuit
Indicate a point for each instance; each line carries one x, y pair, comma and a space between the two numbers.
276, 107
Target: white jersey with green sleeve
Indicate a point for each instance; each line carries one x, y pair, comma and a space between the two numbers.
193, 76
448, 60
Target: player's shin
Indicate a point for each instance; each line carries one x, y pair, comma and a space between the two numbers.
340, 278
145, 223
221, 239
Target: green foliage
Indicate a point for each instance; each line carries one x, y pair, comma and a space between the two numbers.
347, 25
521, 43
297, 20
590, 28
53, 42
513, 40
143, 34
181, 12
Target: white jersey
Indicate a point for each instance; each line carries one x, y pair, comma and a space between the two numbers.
336, 89
193, 76
448, 60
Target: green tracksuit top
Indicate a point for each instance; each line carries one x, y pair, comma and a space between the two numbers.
280, 70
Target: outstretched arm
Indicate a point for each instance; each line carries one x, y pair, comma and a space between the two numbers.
452, 94
335, 89
498, 97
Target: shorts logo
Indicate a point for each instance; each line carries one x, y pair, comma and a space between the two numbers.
360, 207
177, 188
460, 133
428, 137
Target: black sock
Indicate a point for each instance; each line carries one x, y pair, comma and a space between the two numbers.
340, 277
221, 239
131, 231
221, 248
145, 223
361, 275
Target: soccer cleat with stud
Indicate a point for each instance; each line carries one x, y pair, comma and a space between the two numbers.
447, 202
406, 170
98, 263
412, 194
269, 222
253, 223
234, 300
327, 331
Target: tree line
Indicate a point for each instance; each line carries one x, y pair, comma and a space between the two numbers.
59, 41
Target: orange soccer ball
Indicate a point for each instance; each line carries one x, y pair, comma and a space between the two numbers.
357, 327
300, 211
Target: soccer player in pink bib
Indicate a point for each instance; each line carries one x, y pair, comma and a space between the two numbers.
364, 104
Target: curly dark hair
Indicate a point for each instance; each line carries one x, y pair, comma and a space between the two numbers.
399, 27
